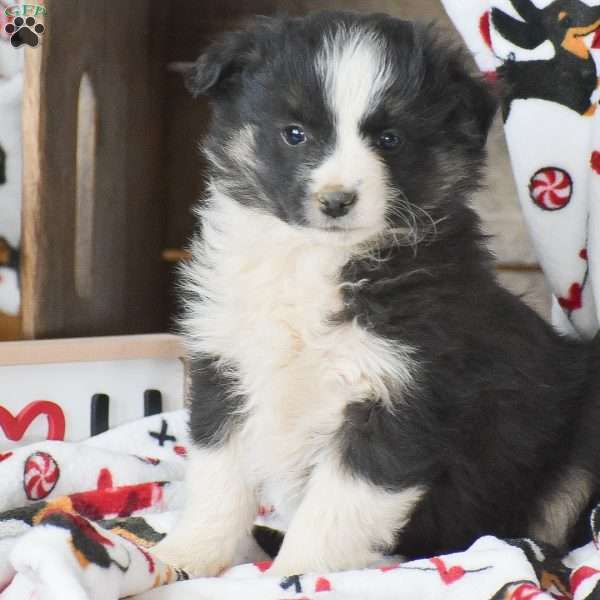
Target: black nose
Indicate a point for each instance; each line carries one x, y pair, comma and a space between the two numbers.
336, 204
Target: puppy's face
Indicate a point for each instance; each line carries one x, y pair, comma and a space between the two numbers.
348, 124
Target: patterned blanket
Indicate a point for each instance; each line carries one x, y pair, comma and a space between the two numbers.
77, 521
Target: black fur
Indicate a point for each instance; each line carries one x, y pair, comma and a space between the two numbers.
433, 102
502, 405
268, 539
500, 401
213, 419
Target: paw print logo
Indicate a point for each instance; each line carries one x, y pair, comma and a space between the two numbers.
24, 31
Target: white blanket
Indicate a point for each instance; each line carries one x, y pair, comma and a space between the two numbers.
77, 521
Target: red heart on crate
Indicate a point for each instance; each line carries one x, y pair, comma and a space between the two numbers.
15, 427
448, 575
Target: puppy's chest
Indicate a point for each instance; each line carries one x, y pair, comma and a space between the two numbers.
269, 302
273, 318
270, 316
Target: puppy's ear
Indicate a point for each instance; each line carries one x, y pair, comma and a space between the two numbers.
476, 104
466, 100
223, 62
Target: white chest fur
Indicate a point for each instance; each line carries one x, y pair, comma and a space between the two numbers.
268, 294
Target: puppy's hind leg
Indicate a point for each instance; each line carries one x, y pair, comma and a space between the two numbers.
220, 507
343, 522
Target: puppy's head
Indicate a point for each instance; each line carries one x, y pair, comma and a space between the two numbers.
344, 123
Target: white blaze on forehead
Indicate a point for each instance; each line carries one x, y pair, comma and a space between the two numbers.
355, 71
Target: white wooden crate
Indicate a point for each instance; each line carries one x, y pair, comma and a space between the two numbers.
48, 388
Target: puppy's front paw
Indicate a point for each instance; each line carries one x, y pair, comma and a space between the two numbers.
284, 571
284, 567
189, 556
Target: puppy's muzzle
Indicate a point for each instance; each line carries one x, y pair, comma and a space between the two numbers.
336, 203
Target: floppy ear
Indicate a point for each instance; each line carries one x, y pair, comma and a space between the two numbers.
471, 99
222, 62
478, 104
467, 102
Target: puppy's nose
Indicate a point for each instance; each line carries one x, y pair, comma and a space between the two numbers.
336, 204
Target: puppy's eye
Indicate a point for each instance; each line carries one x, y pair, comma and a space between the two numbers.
294, 135
388, 140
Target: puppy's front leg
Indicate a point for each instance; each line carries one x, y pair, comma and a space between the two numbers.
219, 510
220, 503
343, 522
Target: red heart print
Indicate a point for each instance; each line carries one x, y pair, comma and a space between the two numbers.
15, 427
263, 565
322, 585
573, 301
595, 161
484, 28
526, 591
386, 568
448, 575
580, 575
149, 560
105, 479
5, 455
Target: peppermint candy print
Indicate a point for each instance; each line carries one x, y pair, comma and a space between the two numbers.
551, 188
40, 475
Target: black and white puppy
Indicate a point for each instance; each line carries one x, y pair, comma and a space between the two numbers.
352, 350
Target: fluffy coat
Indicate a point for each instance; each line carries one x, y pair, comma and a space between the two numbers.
353, 352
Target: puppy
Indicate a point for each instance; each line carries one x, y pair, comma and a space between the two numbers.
352, 351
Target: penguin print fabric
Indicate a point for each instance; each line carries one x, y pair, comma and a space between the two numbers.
545, 56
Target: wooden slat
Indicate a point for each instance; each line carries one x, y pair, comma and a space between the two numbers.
158, 346
518, 268
10, 327
121, 52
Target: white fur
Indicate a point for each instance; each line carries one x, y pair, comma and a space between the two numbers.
242, 147
355, 73
218, 515
268, 291
342, 523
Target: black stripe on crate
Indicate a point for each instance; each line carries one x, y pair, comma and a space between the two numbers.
152, 403
2, 166
99, 414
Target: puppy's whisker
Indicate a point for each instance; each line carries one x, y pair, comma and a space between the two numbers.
417, 224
